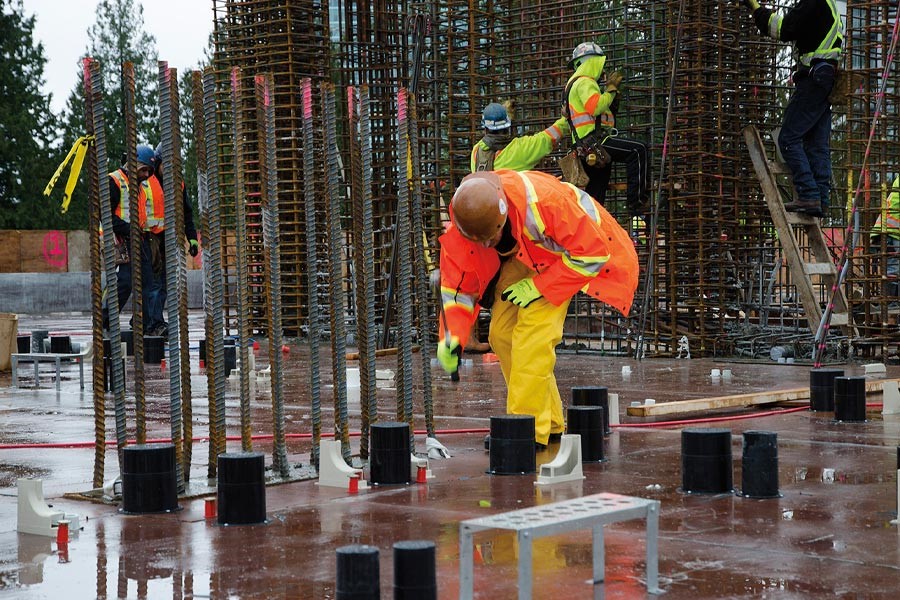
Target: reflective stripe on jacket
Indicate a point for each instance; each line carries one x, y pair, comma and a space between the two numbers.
572, 243
155, 206
123, 210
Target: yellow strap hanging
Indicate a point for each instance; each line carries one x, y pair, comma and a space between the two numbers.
76, 157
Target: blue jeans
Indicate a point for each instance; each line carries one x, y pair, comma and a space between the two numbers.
123, 285
806, 134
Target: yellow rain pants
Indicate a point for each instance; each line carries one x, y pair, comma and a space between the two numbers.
525, 340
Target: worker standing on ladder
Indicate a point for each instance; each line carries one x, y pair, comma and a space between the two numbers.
888, 225
592, 120
548, 240
815, 28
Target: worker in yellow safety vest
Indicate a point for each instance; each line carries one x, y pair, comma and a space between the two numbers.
499, 150
816, 30
548, 240
888, 225
591, 113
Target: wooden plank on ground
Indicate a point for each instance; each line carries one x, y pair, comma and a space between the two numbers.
736, 401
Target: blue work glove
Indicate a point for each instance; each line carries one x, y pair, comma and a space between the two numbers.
521, 293
448, 353
194, 249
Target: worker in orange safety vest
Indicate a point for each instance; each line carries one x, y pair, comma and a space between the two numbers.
548, 240
120, 203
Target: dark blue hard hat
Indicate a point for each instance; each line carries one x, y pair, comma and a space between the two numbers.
145, 155
495, 117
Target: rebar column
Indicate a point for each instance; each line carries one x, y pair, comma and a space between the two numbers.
367, 366
93, 101
404, 270
423, 293
335, 243
117, 373
241, 243
168, 121
312, 268
265, 107
137, 241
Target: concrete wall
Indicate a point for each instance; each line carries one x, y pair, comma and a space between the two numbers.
43, 293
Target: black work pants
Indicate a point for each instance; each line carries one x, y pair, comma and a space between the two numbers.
635, 156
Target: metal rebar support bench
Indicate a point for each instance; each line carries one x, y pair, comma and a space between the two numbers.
589, 512
37, 358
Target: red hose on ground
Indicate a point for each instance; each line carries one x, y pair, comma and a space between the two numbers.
296, 436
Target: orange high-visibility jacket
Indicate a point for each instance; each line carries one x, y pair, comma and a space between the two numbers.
563, 234
150, 192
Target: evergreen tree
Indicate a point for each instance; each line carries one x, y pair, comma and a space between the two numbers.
116, 37
28, 128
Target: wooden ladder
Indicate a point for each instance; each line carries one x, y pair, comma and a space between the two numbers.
817, 261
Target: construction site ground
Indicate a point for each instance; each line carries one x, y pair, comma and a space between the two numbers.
828, 535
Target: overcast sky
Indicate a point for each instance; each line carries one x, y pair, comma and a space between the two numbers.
181, 29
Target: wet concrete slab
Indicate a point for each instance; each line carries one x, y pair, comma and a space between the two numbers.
828, 535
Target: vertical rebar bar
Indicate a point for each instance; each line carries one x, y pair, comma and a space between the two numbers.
404, 270
203, 206
423, 294
368, 387
360, 243
94, 102
166, 135
335, 243
241, 243
265, 107
117, 372
214, 298
312, 267
136, 250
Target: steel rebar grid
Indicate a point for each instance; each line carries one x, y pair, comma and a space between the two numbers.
214, 297
243, 324
93, 102
269, 179
136, 239
116, 371
335, 239
312, 268
168, 122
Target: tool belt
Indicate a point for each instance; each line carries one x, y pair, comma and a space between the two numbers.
590, 148
121, 251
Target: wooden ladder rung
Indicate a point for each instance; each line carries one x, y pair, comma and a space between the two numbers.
819, 269
778, 168
839, 319
795, 218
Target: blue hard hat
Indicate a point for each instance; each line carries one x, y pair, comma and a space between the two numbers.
495, 117
145, 155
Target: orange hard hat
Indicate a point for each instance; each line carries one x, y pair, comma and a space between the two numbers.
479, 206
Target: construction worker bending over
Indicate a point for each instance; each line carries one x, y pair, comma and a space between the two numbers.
814, 26
548, 240
155, 232
592, 120
499, 150
888, 225
120, 203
